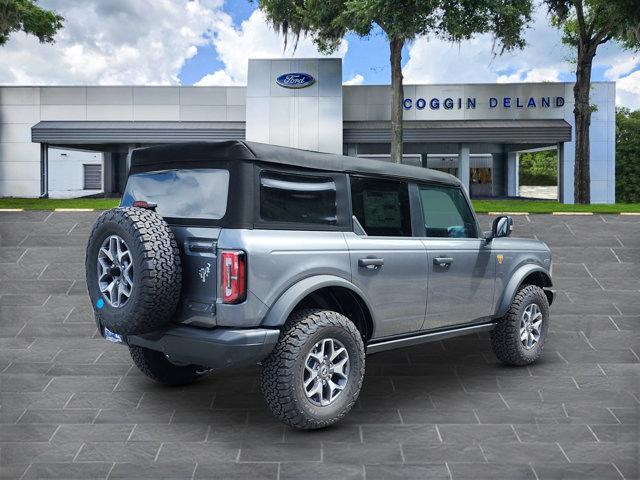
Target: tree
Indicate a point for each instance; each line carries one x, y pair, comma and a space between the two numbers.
539, 168
627, 156
328, 21
587, 24
28, 17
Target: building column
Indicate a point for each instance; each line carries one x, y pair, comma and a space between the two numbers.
108, 173
463, 164
561, 176
44, 170
513, 166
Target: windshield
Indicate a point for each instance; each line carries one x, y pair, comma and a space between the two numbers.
193, 193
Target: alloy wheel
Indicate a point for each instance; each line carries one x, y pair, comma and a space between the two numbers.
326, 371
115, 271
530, 326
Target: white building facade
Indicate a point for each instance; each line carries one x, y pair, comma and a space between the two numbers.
475, 131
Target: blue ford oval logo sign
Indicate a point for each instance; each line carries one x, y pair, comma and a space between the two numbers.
295, 80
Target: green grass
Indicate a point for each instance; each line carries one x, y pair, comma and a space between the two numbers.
481, 206
50, 204
543, 206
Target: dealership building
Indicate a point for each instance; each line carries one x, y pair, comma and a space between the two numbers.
74, 141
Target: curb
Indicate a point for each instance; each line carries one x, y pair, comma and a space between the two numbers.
73, 209
571, 213
507, 213
11, 209
630, 214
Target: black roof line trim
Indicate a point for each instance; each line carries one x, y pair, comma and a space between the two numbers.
172, 155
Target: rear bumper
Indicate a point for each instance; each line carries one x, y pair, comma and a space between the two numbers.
213, 348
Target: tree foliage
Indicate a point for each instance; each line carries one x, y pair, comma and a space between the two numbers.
539, 168
627, 156
328, 21
27, 16
587, 24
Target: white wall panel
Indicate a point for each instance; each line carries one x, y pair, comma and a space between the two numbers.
110, 112
63, 95
19, 95
203, 113
15, 133
21, 171
109, 95
203, 96
156, 95
156, 112
63, 112
19, 188
236, 95
19, 114
309, 117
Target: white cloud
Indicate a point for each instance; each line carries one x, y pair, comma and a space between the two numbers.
545, 58
253, 39
115, 42
628, 91
436, 61
531, 75
219, 77
622, 65
357, 79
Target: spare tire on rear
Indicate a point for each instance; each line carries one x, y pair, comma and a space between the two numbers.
133, 271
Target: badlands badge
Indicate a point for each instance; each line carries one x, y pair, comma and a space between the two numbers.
500, 258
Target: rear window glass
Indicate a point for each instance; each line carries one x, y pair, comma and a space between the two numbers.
192, 193
286, 198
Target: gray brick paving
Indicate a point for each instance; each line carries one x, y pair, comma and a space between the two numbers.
72, 405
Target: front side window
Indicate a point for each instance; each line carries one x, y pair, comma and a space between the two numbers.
446, 213
182, 193
381, 206
289, 198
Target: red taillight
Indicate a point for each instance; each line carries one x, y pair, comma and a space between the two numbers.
143, 204
234, 276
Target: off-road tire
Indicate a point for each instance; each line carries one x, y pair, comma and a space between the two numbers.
505, 337
157, 367
282, 371
157, 272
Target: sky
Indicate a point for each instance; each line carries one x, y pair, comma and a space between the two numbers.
208, 42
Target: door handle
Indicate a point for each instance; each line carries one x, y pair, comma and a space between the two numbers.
370, 263
442, 261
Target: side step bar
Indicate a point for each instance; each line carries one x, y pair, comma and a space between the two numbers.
392, 343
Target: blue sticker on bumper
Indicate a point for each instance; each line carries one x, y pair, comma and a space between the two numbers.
112, 336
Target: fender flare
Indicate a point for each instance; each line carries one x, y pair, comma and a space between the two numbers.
514, 283
284, 305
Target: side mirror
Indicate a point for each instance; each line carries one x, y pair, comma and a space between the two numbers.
502, 227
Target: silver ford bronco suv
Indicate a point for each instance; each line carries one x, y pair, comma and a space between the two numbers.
232, 254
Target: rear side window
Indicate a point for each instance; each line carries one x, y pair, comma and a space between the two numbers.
290, 198
446, 213
197, 193
381, 206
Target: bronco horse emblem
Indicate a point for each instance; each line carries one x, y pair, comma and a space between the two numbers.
204, 272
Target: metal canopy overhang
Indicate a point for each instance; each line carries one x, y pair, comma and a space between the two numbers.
78, 133
436, 131
453, 131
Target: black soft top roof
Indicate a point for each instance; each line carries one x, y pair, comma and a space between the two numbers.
172, 155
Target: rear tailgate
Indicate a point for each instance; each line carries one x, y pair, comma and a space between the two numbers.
198, 252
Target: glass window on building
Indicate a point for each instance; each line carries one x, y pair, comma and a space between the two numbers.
381, 206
